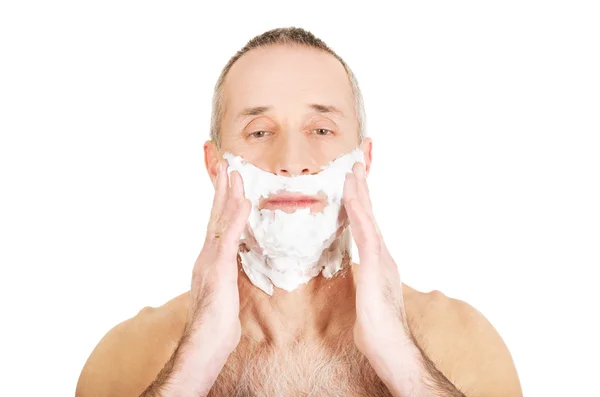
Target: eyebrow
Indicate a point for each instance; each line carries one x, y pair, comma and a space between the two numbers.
256, 110
326, 109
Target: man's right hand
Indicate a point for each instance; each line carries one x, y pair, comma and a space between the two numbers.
213, 327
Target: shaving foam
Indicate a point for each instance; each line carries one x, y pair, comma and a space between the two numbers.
284, 249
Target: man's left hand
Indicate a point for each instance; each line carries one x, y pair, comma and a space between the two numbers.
381, 330
380, 315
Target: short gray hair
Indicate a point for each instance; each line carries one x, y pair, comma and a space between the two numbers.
286, 36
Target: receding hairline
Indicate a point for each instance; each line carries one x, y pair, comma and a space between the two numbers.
290, 37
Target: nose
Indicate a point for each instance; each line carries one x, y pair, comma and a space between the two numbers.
292, 169
295, 157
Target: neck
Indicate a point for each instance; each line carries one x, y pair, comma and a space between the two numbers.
317, 310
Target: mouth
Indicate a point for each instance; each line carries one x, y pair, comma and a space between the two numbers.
291, 202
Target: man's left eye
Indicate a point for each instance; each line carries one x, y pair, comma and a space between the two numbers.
323, 131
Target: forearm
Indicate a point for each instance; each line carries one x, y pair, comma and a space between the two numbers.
191, 371
411, 373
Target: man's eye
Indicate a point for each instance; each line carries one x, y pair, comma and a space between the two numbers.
323, 131
258, 134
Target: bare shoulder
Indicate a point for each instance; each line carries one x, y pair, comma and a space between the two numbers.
130, 355
462, 344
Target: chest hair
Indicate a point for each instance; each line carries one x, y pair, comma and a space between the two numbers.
300, 369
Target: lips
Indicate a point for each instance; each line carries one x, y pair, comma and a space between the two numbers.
287, 201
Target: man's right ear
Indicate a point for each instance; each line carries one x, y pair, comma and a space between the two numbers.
211, 160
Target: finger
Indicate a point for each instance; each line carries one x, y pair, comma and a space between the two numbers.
362, 189
230, 205
237, 224
235, 195
235, 214
237, 186
361, 224
349, 188
363, 230
368, 271
230, 243
220, 197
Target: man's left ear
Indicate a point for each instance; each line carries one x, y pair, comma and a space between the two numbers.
367, 148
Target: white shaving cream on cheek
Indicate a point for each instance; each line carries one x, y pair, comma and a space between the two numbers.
288, 249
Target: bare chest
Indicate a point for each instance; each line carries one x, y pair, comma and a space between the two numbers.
299, 370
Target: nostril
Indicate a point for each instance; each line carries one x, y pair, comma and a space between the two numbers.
285, 172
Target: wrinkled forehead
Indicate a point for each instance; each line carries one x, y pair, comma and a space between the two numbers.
287, 79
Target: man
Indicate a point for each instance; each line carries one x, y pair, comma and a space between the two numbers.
289, 105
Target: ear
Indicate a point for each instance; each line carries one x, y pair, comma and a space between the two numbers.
211, 160
367, 148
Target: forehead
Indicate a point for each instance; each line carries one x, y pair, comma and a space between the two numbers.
287, 77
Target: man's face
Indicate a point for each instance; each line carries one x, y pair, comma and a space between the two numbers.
289, 110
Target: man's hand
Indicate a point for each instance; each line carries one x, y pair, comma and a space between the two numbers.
381, 331
213, 327
214, 305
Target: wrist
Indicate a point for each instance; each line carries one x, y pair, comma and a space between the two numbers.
197, 364
214, 340
400, 367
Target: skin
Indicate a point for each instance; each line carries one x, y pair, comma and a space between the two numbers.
417, 344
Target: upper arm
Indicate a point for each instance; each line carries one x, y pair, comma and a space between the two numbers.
127, 358
469, 351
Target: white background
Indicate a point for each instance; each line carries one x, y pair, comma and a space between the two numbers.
486, 175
